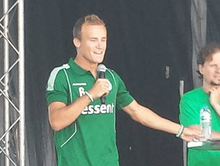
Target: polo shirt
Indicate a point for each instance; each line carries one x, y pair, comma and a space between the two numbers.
91, 139
190, 105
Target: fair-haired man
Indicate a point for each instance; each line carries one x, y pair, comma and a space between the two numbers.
208, 95
85, 133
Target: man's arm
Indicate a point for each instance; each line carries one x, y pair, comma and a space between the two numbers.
215, 99
61, 115
150, 119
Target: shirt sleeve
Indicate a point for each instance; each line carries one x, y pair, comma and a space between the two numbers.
189, 112
57, 87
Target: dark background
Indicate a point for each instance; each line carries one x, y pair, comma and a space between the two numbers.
144, 38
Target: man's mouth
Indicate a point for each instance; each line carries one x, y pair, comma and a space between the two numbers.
98, 53
215, 83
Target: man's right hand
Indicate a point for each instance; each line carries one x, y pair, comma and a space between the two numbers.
101, 87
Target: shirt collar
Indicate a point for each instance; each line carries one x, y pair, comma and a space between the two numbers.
76, 67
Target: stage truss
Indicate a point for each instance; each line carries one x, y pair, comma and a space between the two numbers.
12, 83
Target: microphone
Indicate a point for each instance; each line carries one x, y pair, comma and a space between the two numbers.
101, 74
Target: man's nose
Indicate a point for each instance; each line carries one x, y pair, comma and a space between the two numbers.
99, 44
218, 69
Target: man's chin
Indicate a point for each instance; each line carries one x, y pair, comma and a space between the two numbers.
100, 60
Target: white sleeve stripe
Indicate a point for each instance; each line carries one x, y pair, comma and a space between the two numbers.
53, 76
71, 98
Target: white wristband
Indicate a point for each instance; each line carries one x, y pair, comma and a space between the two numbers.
180, 131
90, 97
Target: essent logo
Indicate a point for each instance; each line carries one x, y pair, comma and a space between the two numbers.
96, 109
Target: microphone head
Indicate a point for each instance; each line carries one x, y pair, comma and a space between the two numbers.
101, 68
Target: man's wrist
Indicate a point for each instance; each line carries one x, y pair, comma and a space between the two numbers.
180, 132
216, 107
89, 95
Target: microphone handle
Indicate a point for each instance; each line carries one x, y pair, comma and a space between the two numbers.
102, 98
101, 74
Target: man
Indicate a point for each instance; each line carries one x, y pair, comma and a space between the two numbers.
208, 95
85, 133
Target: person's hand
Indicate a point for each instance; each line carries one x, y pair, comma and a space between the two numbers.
190, 134
215, 97
101, 87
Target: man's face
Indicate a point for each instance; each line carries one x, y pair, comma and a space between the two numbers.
92, 45
211, 71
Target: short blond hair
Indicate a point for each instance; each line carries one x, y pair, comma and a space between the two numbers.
91, 19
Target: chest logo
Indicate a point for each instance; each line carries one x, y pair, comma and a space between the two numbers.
79, 84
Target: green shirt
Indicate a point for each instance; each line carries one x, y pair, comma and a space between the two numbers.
190, 105
91, 139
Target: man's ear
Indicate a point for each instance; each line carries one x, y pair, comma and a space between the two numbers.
76, 42
201, 68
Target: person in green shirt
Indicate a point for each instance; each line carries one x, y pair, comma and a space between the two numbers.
84, 128
208, 95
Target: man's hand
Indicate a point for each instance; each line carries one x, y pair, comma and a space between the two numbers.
215, 98
101, 87
190, 134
